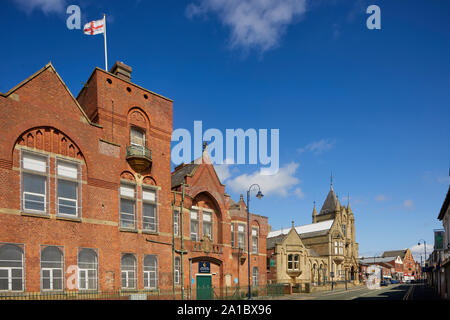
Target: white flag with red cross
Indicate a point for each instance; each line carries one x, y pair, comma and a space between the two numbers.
94, 27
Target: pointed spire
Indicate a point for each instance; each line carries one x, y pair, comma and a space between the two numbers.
292, 224
314, 214
331, 181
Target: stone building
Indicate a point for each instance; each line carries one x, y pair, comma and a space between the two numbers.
87, 197
444, 262
330, 240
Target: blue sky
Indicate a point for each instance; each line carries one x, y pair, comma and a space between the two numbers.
372, 106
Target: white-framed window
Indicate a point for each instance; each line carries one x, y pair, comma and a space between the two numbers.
194, 225
52, 268
150, 272
177, 270
336, 248
233, 244
341, 248
344, 230
87, 269
128, 271
255, 276
34, 182
68, 188
11, 267
207, 223
127, 206
149, 209
241, 236
254, 240
176, 222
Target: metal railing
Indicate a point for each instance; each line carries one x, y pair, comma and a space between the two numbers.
139, 151
207, 293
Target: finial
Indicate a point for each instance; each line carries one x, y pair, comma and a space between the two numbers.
331, 181
292, 223
205, 145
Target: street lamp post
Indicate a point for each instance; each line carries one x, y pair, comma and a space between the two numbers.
425, 250
259, 195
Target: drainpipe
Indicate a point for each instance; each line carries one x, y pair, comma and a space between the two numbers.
173, 245
182, 249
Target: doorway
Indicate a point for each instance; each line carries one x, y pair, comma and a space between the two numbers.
204, 287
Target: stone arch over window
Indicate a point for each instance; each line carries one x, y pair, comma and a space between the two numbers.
149, 181
51, 140
139, 126
127, 175
204, 200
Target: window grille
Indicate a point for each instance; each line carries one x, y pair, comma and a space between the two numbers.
150, 272
150, 209
34, 182
12, 267
127, 206
52, 268
68, 188
128, 271
87, 269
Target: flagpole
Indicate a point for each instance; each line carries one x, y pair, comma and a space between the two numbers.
104, 36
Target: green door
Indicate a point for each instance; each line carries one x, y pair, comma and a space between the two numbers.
204, 287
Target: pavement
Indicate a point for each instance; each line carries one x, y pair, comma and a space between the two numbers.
401, 291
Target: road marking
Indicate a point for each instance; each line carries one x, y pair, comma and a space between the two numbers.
408, 293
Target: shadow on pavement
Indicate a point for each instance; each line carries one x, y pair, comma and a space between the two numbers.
396, 293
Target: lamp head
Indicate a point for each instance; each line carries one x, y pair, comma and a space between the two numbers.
259, 195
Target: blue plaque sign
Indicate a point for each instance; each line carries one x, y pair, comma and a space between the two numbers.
204, 267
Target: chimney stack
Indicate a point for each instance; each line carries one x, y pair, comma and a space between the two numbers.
121, 70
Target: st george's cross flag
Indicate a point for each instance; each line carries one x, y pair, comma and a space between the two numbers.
96, 27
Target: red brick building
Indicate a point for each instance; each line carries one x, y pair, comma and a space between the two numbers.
87, 194
409, 271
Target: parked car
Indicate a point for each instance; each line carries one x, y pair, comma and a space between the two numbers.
383, 283
393, 281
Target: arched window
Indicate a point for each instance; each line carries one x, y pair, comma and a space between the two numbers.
177, 270
128, 274
150, 272
11, 268
52, 275
87, 269
255, 276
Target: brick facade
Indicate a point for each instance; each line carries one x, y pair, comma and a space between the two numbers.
40, 118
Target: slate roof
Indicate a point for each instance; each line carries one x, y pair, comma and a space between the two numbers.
330, 204
320, 228
271, 242
180, 174
370, 260
394, 253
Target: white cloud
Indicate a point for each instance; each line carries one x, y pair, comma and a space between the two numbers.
443, 180
254, 23
46, 6
409, 204
418, 251
279, 184
318, 147
223, 170
380, 198
299, 193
